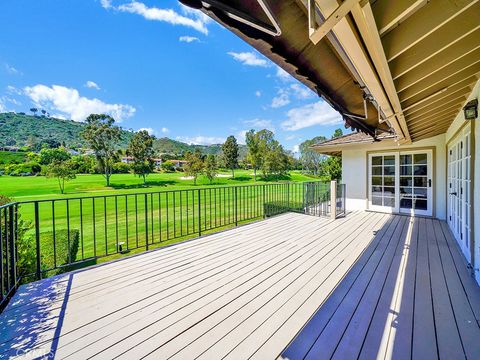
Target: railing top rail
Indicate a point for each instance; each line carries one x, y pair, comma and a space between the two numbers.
166, 191
8, 205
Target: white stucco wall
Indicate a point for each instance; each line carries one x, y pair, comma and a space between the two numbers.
355, 171
457, 124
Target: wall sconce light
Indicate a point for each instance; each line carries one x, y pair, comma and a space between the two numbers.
471, 110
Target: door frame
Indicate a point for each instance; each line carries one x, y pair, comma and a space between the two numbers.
431, 151
469, 249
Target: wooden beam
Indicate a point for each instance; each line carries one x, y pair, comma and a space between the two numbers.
438, 108
318, 33
344, 39
366, 24
431, 122
389, 14
432, 68
422, 24
418, 103
437, 112
423, 90
432, 105
444, 38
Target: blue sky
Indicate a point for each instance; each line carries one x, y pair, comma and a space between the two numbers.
151, 64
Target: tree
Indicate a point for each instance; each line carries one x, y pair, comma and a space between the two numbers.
337, 133
230, 153
34, 111
332, 167
44, 112
47, 156
254, 156
194, 165
168, 166
102, 136
310, 159
141, 150
63, 171
210, 167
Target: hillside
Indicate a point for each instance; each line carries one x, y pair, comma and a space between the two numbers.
26, 130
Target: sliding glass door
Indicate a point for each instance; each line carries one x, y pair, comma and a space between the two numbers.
401, 182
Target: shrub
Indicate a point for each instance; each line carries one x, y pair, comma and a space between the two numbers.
64, 253
121, 168
168, 166
280, 207
28, 168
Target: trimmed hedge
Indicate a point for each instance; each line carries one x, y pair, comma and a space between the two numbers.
281, 207
64, 253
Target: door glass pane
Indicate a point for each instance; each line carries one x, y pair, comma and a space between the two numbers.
377, 170
389, 181
389, 170
406, 170
420, 158
389, 160
377, 160
406, 181
389, 191
420, 181
376, 190
377, 201
420, 170
389, 202
405, 203
420, 193
405, 159
421, 204
376, 180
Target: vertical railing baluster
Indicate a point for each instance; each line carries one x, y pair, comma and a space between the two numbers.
68, 233
116, 223
151, 218
37, 241
13, 260
94, 230
160, 215
136, 220
145, 200
199, 214
2, 274
54, 236
81, 228
126, 221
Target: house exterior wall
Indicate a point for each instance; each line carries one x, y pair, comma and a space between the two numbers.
355, 171
457, 124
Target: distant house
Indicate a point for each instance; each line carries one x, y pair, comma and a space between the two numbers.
10, 148
178, 164
129, 160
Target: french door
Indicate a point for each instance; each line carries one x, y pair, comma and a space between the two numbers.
459, 196
401, 182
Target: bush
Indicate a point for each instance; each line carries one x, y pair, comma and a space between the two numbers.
168, 166
62, 250
121, 168
281, 207
25, 169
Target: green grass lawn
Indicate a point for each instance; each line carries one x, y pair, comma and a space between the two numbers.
132, 214
39, 187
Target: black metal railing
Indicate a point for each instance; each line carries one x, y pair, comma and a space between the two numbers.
72, 232
8, 252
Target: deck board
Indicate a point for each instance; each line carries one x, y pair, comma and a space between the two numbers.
293, 286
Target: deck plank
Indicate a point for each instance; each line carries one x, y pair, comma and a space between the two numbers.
364, 286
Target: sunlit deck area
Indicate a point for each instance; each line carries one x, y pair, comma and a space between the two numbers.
294, 286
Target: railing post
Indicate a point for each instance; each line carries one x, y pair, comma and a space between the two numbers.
37, 242
264, 205
199, 214
146, 221
333, 199
236, 207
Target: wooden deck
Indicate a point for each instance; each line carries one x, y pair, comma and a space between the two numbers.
294, 286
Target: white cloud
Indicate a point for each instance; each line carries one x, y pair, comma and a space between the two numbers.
291, 137
164, 130
106, 4
258, 93
13, 90
150, 131
301, 92
260, 124
296, 148
2, 106
282, 99
283, 75
188, 39
241, 135
319, 113
92, 85
11, 70
201, 140
249, 58
157, 14
69, 102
